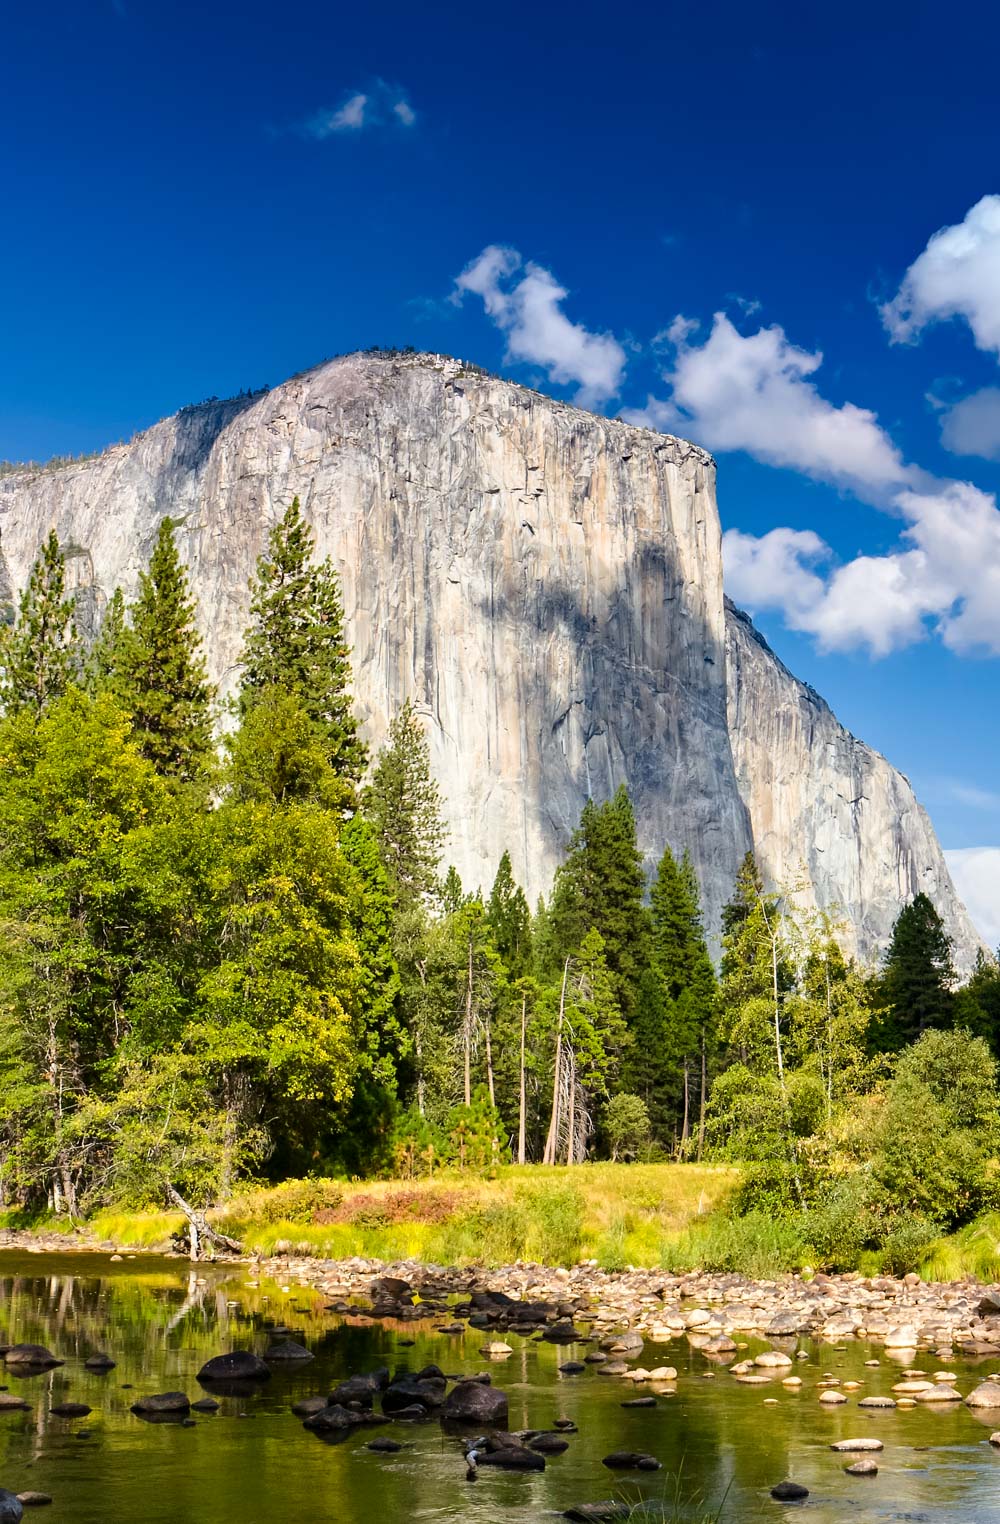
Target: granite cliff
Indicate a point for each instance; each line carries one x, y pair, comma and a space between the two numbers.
546, 586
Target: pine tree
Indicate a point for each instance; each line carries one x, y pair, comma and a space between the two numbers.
915, 990
403, 803
161, 678
453, 896
39, 653
510, 918
600, 887
105, 655
296, 640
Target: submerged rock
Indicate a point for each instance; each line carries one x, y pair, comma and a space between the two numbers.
238, 1365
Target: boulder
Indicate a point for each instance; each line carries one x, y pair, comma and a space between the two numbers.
384, 1445
99, 1362
599, 1513
630, 1460
205, 1405
364, 1388
471, 1402
31, 1354
287, 1349
862, 1468
414, 1391
789, 1492
549, 1444
238, 1365
70, 1409
513, 1457
9, 1403
334, 1418
174, 1403
860, 1445
986, 1395
34, 1499
903, 1337
307, 1406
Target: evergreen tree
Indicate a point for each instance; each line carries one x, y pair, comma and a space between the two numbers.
915, 989
39, 652
105, 655
403, 803
296, 640
453, 896
510, 920
977, 1003
161, 677
600, 887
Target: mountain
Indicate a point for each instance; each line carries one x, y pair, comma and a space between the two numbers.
546, 586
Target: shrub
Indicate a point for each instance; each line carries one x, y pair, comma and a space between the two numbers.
907, 1239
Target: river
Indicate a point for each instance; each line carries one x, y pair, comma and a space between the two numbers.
722, 1444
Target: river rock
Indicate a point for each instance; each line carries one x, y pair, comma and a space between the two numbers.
363, 1389
238, 1365
986, 1395
31, 1354
772, 1359
205, 1405
161, 1403
34, 1499
70, 1409
862, 1468
99, 1362
789, 1492
414, 1391
549, 1444
307, 1406
631, 1460
940, 1394
287, 1349
384, 1445
515, 1457
861, 1445
10, 1403
11, 1509
572, 1367
472, 1402
877, 1402
599, 1513
334, 1418
903, 1337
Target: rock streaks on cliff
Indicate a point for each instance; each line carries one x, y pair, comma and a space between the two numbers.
545, 585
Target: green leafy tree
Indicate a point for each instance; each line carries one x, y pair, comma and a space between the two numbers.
296, 641
39, 652
403, 803
915, 990
162, 679
626, 1125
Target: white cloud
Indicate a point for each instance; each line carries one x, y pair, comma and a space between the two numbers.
976, 873
377, 106
525, 301
957, 275
972, 426
754, 393
969, 793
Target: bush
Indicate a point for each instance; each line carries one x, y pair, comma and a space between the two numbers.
842, 1224
756, 1245
293, 1201
908, 1238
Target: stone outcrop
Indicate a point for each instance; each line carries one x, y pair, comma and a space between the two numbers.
545, 585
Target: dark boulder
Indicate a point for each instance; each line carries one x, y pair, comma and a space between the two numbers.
473, 1402
99, 1362
161, 1404
238, 1365
390, 1288
572, 1367
599, 1513
640, 1402
414, 1391
205, 1405
789, 1492
307, 1406
287, 1349
563, 1333
70, 1409
334, 1417
31, 1354
384, 1445
362, 1389
11, 1404
630, 1460
549, 1444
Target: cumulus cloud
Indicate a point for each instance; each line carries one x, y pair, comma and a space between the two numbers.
378, 106
957, 275
754, 392
976, 873
972, 426
525, 300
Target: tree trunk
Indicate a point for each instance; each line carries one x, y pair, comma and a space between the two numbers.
468, 1031
701, 1099
521, 1108
571, 1142
418, 1045
686, 1124
489, 1062
552, 1141
198, 1227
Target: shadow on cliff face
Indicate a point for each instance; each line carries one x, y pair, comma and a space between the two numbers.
198, 426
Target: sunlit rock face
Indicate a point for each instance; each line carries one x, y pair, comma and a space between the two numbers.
546, 586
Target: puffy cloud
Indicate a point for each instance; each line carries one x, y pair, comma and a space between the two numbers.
976, 873
945, 576
525, 301
754, 393
972, 426
378, 106
957, 275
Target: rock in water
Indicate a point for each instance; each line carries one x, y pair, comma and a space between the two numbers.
471, 1402
546, 585
173, 1403
239, 1365
789, 1492
31, 1354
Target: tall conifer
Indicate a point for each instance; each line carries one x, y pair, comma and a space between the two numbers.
915, 990
403, 803
296, 640
39, 652
161, 675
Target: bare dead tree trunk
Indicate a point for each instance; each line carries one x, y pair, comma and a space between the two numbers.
552, 1141
489, 1062
685, 1125
468, 1031
571, 1140
418, 1049
199, 1229
521, 1107
701, 1098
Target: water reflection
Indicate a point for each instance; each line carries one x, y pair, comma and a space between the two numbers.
250, 1460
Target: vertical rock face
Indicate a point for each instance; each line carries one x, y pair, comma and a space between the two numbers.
545, 585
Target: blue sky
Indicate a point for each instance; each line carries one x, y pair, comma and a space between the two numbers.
203, 197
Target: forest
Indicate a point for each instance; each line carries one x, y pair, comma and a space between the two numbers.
231, 952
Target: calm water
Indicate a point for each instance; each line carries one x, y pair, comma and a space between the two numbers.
253, 1462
